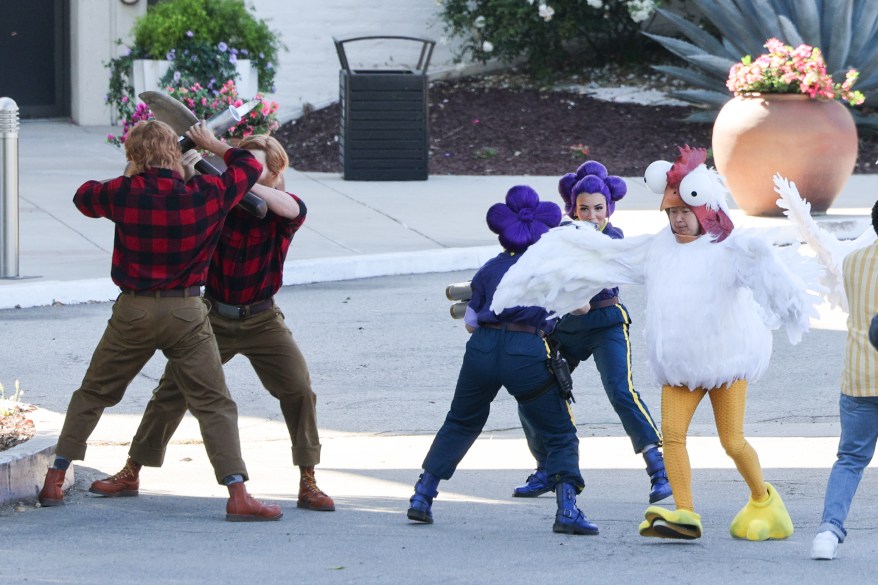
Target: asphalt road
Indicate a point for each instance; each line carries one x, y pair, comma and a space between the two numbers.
384, 356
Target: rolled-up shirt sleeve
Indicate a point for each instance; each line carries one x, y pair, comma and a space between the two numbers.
94, 199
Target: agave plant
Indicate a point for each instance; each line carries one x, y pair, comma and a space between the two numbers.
845, 30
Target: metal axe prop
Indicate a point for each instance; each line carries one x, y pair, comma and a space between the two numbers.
176, 115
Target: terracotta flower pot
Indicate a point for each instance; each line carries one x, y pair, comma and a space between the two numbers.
811, 142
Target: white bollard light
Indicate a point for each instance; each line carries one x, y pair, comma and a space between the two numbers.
8, 188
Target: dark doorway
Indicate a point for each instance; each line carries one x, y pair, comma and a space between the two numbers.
35, 56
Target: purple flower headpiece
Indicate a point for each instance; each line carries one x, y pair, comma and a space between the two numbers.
522, 219
591, 177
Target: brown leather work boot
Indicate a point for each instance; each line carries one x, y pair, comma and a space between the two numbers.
310, 496
124, 484
242, 507
52, 494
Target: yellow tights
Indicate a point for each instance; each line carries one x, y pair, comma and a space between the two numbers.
728, 402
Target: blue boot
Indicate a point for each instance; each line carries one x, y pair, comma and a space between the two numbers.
537, 484
655, 467
569, 519
422, 500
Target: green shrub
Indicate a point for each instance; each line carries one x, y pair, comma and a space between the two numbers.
551, 36
200, 24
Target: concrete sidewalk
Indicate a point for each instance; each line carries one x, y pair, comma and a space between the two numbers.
354, 229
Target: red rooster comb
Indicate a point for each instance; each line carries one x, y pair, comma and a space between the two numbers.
687, 161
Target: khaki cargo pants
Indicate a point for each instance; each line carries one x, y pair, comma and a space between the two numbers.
179, 327
268, 343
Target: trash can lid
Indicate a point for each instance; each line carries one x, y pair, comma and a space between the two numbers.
426, 54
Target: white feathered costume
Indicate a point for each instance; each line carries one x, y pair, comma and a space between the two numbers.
712, 302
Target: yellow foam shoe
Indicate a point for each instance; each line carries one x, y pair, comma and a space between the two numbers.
764, 520
663, 523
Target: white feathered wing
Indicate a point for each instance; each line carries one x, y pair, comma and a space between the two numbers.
568, 266
830, 250
782, 281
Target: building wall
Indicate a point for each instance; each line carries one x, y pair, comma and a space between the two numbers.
308, 71
94, 27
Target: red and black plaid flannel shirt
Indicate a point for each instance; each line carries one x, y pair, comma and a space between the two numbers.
248, 264
166, 229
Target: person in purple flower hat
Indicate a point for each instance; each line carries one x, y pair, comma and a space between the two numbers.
599, 330
508, 350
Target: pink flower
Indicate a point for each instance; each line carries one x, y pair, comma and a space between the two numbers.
205, 103
785, 69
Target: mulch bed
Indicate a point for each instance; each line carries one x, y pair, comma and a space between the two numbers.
480, 127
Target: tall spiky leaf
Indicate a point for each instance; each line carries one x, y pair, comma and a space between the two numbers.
702, 116
694, 33
840, 35
790, 32
808, 21
719, 66
766, 18
691, 76
701, 96
724, 15
866, 18
676, 46
868, 66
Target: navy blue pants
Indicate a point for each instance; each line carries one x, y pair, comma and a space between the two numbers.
603, 334
516, 361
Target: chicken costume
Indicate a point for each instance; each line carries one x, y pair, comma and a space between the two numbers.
712, 301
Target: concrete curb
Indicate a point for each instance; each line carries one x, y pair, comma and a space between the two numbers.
22, 295
23, 468
394, 264
25, 294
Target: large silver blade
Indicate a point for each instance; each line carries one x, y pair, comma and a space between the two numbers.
176, 115
169, 110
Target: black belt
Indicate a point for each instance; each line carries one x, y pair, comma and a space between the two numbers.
241, 311
605, 303
192, 291
512, 327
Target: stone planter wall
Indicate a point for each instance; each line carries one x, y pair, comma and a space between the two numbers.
148, 72
23, 468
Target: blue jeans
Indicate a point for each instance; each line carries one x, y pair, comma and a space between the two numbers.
856, 446
516, 361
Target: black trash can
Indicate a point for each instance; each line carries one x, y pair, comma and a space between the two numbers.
384, 121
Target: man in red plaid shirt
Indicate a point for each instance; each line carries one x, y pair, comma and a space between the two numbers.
166, 232
245, 272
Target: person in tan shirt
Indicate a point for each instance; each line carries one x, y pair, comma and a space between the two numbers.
858, 403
